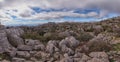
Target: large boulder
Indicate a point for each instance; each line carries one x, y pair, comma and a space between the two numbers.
95, 60
52, 47
18, 60
14, 38
68, 45
36, 44
25, 48
67, 59
100, 43
23, 54
39, 47
84, 58
70, 42
5, 60
81, 57
5, 46
67, 50
41, 55
98, 57
32, 42
16, 31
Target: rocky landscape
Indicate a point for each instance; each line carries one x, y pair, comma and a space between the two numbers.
62, 42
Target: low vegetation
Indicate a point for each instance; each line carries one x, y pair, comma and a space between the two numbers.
83, 32
116, 47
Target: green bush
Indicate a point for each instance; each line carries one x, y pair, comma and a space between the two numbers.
116, 47
31, 36
98, 45
4, 56
84, 36
52, 36
45, 38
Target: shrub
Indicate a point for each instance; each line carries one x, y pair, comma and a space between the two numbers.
116, 47
52, 36
4, 56
117, 31
99, 46
107, 28
100, 43
84, 36
30, 36
45, 38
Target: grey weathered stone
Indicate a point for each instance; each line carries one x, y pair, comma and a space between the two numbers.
84, 58
81, 57
5, 61
32, 52
1, 49
23, 54
36, 44
39, 47
16, 31
5, 46
18, 60
67, 59
42, 55
13, 35
65, 49
69, 42
31, 42
25, 48
56, 55
4, 43
51, 47
72, 41
98, 60
78, 55
98, 55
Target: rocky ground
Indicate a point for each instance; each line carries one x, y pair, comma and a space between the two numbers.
102, 45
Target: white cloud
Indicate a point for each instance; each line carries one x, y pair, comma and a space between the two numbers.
25, 12
57, 15
1, 0
69, 4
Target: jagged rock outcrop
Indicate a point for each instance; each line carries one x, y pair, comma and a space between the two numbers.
99, 43
18, 60
19, 50
13, 35
25, 48
71, 42
98, 57
5, 46
52, 47
36, 44
23, 54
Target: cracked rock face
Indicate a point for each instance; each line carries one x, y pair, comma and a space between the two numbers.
29, 50
14, 36
98, 57
5, 46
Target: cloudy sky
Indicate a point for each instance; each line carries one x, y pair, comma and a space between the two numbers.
31, 12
